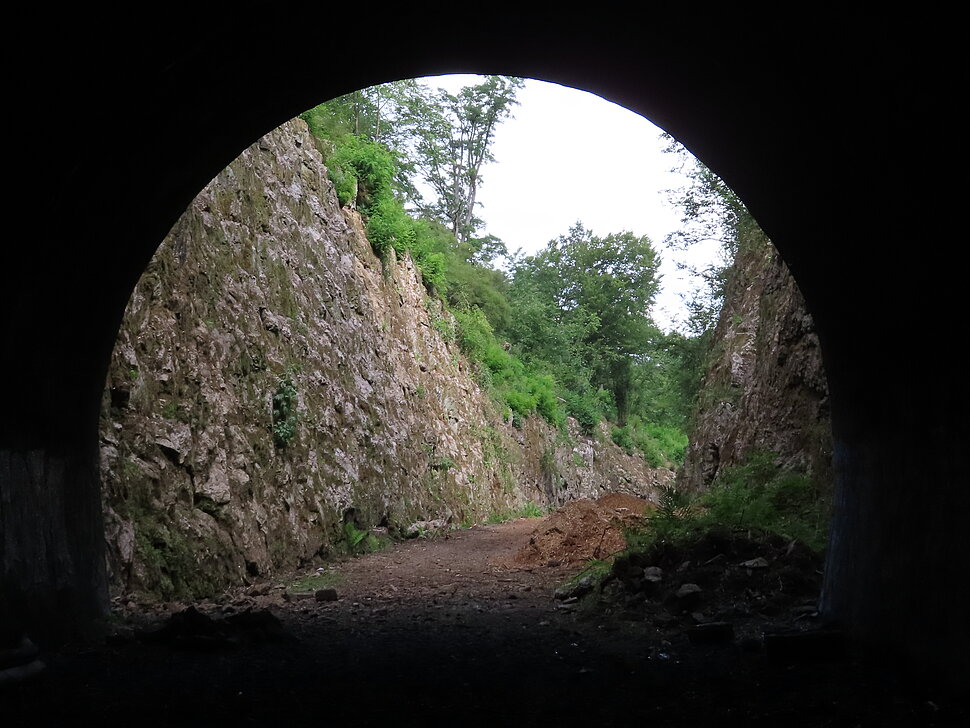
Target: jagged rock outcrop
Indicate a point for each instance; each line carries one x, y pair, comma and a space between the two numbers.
765, 387
266, 295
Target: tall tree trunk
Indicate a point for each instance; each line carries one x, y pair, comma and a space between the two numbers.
621, 376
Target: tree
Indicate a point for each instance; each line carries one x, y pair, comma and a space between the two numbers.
601, 290
711, 211
453, 134
439, 138
667, 378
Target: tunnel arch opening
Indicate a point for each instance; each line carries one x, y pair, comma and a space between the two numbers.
175, 416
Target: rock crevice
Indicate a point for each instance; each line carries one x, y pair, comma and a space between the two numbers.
765, 388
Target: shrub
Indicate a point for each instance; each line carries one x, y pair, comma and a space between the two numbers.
432, 268
388, 226
372, 164
547, 404
284, 411
671, 441
474, 332
621, 437
531, 510
444, 325
660, 445
586, 408
344, 184
759, 495
520, 403
362, 541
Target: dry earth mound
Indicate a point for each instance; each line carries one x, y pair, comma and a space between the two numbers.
583, 530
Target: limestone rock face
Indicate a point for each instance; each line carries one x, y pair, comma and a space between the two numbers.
765, 387
266, 295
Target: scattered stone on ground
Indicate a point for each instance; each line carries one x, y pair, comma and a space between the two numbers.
191, 629
424, 528
326, 595
757, 584
20, 662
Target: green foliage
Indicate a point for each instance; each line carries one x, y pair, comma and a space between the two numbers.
458, 277
443, 463
170, 562
757, 497
368, 169
520, 402
344, 184
661, 446
673, 504
760, 496
665, 383
451, 140
547, 404
388, 226
371, 165
375, 114
474, 333
581, 342
531, 510
284, 411
498, 517
711, 211
174, 410
592, 296
313, 582
365, 173
671, 441
362, 541
587, 407
596, 569
431, 265
521, 389
445, 326
621, 438
444, 139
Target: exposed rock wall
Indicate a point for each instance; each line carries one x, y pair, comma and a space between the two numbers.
265, 280
765, 386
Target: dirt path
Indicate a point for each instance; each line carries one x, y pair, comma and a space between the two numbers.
463, 579
451, 631
453, 569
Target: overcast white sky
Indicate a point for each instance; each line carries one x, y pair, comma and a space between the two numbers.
570, 156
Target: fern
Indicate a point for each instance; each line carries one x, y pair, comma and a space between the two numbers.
674, 504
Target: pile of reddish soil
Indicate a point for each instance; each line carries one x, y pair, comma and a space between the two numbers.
583, 530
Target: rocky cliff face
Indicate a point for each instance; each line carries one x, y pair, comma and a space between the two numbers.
765, 387
275, 390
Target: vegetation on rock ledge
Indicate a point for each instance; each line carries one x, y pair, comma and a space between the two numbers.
582, 343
